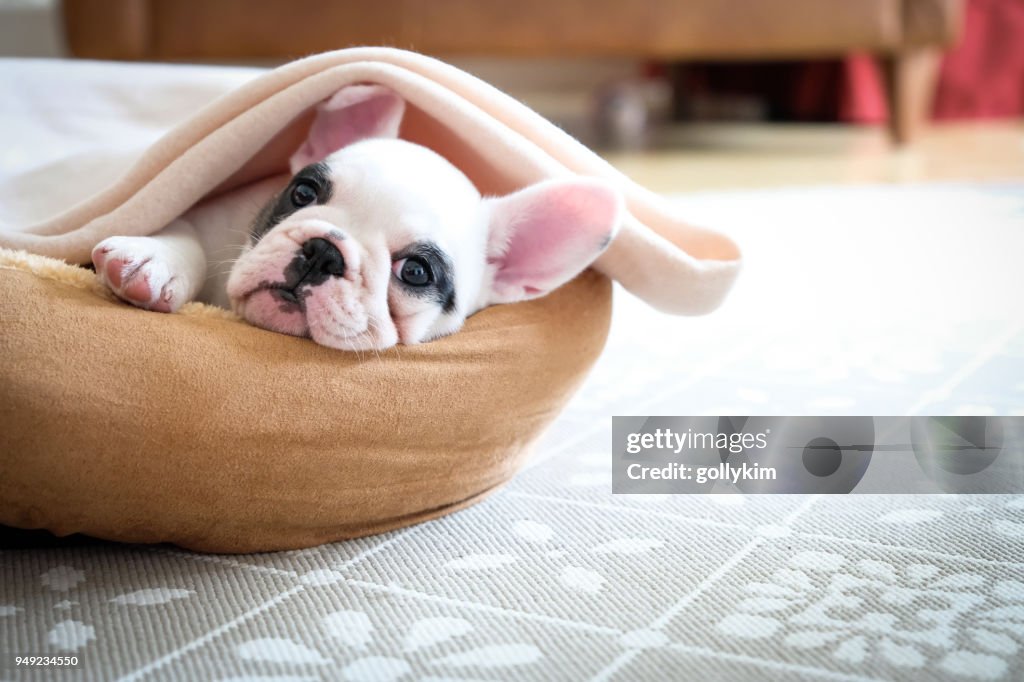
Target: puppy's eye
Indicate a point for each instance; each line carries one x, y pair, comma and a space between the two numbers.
303, 194
414, 271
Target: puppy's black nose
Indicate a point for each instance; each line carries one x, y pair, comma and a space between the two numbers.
323, 259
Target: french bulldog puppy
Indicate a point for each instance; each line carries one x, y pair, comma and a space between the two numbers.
375, 241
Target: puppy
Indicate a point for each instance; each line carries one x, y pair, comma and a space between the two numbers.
374, 241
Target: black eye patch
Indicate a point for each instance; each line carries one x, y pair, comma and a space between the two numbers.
442, 289
314, 178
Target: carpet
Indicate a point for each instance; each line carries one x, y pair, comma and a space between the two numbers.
869, 300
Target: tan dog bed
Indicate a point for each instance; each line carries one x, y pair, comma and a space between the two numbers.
238, 439
197, 429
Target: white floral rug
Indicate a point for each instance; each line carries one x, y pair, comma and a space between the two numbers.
869, 300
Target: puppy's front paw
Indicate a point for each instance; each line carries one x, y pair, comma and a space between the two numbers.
138, 272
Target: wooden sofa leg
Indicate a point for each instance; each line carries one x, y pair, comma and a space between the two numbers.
910, 79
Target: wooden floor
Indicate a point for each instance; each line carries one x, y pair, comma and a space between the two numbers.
736, 156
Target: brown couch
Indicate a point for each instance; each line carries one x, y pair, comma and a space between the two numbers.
905, 34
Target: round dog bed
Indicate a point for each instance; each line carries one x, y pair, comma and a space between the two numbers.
200, 430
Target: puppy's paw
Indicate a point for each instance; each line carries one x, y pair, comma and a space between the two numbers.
140, 271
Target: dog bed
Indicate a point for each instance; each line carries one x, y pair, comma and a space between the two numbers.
200, 430
203, 431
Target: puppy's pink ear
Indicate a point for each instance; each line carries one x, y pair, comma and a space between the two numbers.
353, 113
543, 236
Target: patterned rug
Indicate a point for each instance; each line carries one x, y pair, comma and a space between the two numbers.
860, 300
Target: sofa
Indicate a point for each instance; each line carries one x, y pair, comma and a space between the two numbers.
907, 36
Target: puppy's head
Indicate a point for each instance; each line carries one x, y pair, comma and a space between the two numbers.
378, 241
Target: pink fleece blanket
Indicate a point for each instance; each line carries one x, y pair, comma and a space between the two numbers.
249, 134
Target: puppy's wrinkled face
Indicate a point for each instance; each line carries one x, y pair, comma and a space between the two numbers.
378, 241
378, 244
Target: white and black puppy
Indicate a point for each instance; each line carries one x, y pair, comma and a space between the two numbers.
374, 241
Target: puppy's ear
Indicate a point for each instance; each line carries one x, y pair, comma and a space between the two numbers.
353, 113
543, 236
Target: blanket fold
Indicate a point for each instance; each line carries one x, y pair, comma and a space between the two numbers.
502, 145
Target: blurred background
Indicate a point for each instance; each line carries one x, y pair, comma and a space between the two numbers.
679, 94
